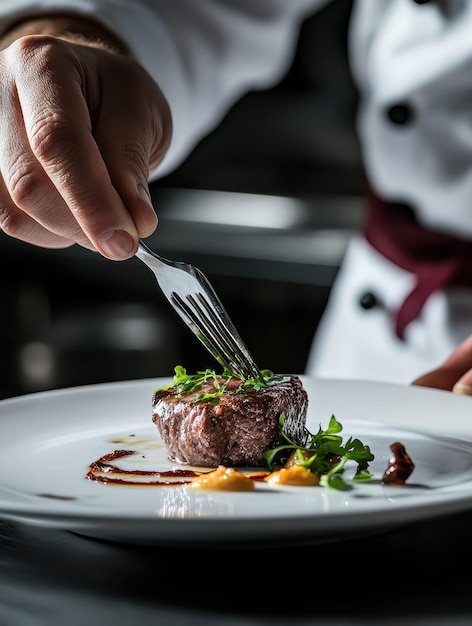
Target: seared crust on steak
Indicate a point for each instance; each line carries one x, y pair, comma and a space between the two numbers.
236, 428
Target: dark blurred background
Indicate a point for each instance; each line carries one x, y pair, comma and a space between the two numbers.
264, 206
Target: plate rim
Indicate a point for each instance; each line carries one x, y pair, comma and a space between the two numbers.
190, 529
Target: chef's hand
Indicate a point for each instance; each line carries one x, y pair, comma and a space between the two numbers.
455, 374
81, 125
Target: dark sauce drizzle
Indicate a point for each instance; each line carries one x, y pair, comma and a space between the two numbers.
400, 466
104, 471
114, 475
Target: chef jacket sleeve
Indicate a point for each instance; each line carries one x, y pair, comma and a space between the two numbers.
204, 54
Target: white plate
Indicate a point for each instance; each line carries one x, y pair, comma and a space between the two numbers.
49, 439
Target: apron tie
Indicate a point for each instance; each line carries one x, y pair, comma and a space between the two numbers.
436, 259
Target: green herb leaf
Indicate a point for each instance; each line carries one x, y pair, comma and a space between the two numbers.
325, 454
218, 383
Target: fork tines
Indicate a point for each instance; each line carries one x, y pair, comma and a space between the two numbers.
219, 337
190, 293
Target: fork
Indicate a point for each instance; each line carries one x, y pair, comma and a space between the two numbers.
194, 299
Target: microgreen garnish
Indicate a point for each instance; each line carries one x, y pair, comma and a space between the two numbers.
325, 454
187, 383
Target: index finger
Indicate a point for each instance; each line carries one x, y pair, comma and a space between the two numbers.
58, 122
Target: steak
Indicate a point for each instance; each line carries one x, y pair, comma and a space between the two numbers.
234, 428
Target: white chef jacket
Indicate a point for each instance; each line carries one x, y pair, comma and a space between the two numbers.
412, 61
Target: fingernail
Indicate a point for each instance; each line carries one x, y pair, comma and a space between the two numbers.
465, 390
117, 243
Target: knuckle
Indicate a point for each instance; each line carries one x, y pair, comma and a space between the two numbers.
35, 50
24, 184
49, 141
12, 222
135, 157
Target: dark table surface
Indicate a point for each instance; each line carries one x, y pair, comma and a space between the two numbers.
417, 574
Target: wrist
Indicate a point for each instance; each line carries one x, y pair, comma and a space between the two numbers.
74, 28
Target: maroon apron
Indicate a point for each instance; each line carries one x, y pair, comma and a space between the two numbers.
436, 259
